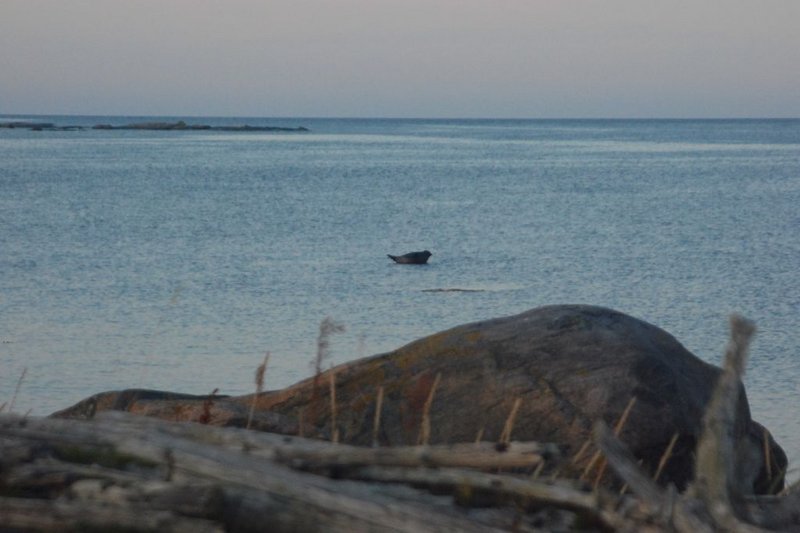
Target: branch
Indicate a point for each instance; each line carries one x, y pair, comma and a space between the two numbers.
713, 483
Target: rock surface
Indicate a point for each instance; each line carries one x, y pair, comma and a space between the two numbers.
568, 366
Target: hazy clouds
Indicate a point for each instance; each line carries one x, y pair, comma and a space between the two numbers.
404, 58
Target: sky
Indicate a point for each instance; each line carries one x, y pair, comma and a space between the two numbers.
402, 58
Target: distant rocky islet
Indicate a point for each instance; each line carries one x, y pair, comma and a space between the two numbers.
147, 126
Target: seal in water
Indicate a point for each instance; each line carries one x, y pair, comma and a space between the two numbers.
412, 258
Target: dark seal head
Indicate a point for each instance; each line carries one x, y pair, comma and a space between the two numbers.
411, 258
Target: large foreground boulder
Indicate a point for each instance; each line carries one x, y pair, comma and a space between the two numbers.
559, 368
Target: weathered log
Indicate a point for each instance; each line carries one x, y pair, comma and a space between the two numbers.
299, 498
24, 514
715, 475
468, 485
300, 452
469, 455
158, 467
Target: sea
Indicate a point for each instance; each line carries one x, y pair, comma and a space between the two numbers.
177, 260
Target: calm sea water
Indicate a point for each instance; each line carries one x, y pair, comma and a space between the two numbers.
175, 260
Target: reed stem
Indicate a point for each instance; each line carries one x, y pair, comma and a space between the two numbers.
505, 436
665, 457
334, 428
425, 430
377, 422
260, 370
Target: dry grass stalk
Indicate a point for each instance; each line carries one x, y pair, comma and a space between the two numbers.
334, 428
376, 424
601, 470
208, 403
578, 456
505, 436
425, 429
598, 455
479, 436
262, 368
16, 389
327, 328
624, 418
665, 457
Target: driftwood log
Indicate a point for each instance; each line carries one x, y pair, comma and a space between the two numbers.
121, 471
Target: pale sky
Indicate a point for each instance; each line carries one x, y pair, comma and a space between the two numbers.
402, 58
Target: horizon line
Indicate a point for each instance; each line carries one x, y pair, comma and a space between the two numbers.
389, 117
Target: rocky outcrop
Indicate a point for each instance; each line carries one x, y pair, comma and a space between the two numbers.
183, 126
557, 368
148, 126
27, 125
213, 409
37, 126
